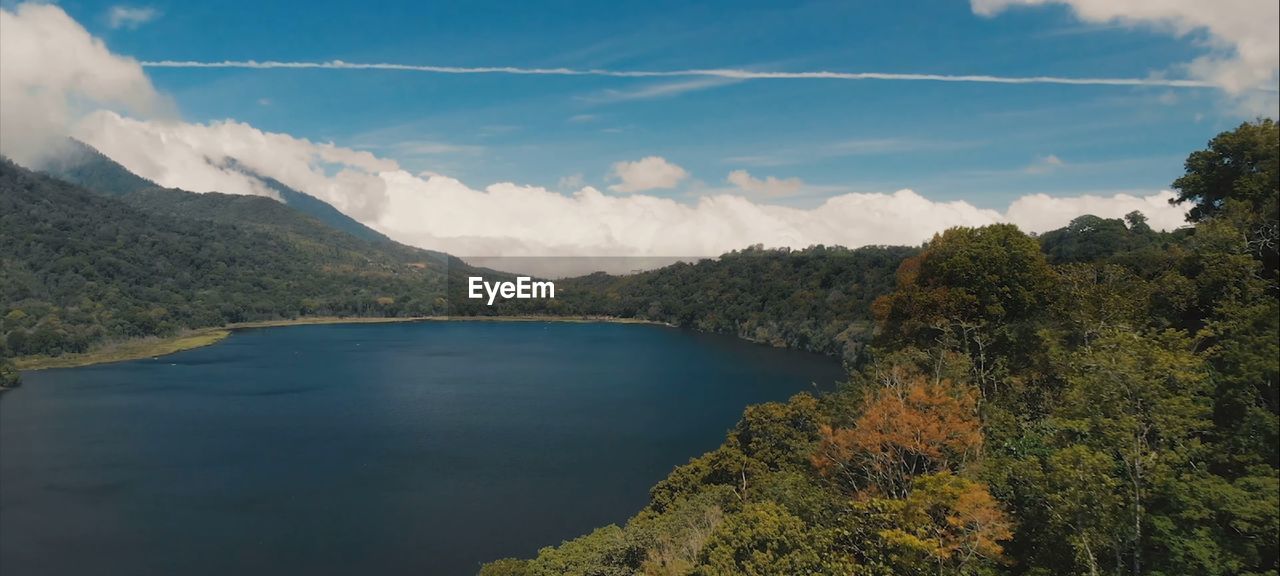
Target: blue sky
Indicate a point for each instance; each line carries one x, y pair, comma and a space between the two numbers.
983, 143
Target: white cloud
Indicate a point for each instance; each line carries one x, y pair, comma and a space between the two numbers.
1242, 36
1044, 165
434, 211
648, 173
768, 187
660, 90
51, 72
196, 156
1041, 212
571, 182
130, 17
506, 219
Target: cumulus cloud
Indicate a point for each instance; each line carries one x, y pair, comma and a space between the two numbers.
648, 173
434, 211
130, 17
1242, 36
1041, 212
52, 71
505, 219
770, 186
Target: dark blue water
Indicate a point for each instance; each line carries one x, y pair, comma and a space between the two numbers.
364, 449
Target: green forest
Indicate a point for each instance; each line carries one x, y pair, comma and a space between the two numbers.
94, 255
1098, 400
79, 268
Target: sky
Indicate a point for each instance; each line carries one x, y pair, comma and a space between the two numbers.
654, 128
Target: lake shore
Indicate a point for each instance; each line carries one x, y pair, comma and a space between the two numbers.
137, 349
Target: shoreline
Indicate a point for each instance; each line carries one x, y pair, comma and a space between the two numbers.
155, 347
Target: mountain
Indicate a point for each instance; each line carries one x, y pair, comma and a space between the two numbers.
82, 164
79, 268
322, 211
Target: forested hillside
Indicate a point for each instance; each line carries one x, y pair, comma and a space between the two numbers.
816, 299
79, 268
1102, 400
81, 164
196, 260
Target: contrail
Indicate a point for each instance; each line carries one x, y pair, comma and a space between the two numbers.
727, 73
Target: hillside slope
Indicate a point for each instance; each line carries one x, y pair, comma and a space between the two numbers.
78, 268
83, 165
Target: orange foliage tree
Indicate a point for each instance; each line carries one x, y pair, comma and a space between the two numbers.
911, 425
949, 521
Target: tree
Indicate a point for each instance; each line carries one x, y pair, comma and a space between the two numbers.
911, 425
1238, 176
763, 540
1089, 238
9, 376
1241, 165
948, 522
604, 552
1083, 504
1137, 222
1142, 400
977, 291
779, 435
505, 567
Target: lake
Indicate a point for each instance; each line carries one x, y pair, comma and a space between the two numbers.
423, 448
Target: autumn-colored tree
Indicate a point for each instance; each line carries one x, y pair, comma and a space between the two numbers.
949, 523
911, 425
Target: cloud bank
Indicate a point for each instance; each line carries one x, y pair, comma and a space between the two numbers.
507, 219
107, 101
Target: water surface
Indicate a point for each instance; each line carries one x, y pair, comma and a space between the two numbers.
364, 449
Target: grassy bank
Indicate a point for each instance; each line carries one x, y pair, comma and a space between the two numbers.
126, 350
152, 347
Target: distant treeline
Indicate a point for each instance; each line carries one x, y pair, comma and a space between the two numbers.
128, 259
817, 299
